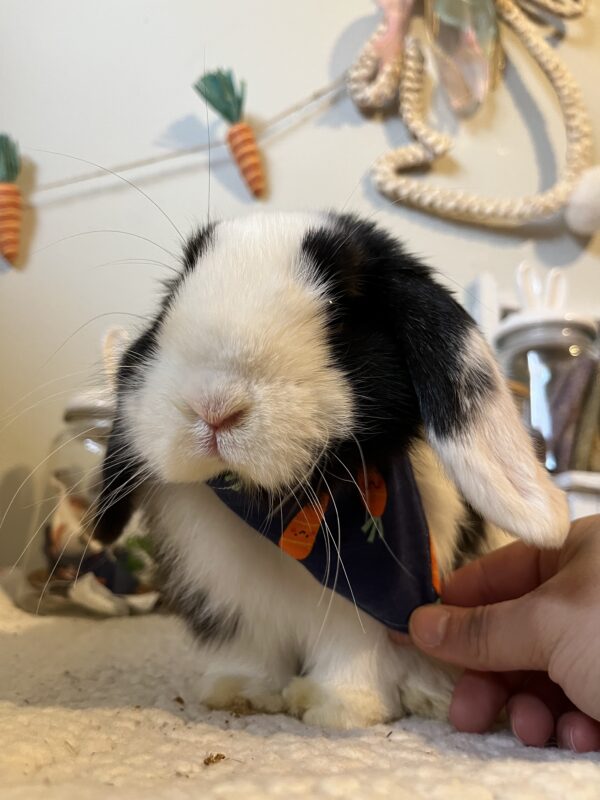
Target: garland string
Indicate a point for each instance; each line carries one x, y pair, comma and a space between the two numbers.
328, 95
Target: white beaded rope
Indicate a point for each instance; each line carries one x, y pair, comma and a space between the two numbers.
455, 203
411, 103
370, 86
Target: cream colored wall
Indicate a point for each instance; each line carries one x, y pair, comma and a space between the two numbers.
110, 82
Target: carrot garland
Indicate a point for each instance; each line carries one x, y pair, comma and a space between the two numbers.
10, 198
219, 90
299, 537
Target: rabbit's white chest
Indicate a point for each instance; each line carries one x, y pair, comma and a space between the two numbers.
277, 640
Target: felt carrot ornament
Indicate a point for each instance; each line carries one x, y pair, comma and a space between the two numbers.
220, 92
299, 537
10, 198
374, 492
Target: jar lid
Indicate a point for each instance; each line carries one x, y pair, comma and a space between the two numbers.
97, 403
522, 320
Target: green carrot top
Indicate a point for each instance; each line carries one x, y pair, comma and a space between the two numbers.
219, 90
10, 160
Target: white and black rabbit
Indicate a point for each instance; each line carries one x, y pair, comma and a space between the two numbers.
292, 353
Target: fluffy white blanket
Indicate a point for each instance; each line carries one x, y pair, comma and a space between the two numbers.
103, 709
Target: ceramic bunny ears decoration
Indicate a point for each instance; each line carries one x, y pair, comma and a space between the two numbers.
390, 72
539, 291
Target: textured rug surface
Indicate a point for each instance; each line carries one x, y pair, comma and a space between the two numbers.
104, 709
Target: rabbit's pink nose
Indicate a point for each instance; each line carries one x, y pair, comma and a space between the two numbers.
222, 420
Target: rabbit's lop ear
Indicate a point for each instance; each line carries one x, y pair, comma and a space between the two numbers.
470, 417
117, 498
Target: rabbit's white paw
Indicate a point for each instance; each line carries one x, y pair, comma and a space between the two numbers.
240, 693
332, 706
427, 691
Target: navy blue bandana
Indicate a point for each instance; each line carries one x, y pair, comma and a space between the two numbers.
384, 543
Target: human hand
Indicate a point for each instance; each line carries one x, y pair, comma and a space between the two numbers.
526, 625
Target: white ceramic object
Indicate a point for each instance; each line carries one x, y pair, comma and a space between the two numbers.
583, 492
543, 299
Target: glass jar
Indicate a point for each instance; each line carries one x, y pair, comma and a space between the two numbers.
66, 570
551, 362
595, 454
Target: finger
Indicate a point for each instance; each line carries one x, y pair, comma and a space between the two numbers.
497, 638
578, 732
531, 720
504, 574
477, 701
550, 693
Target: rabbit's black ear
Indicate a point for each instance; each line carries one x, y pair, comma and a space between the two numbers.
469, 416
121, 476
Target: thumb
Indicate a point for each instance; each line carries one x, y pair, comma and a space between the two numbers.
496, 638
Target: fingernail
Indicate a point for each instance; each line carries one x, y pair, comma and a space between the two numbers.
512, 718
572, 744
428, 625
513, 727
566, 737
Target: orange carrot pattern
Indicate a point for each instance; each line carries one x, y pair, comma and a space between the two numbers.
374, 493
10, 220
244, 149
299, 537
10, 199
435, 569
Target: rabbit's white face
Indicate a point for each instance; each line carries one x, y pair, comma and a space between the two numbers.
286, 337
242, 378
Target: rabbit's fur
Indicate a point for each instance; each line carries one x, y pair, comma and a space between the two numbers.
319, 337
